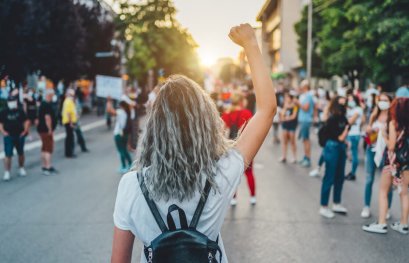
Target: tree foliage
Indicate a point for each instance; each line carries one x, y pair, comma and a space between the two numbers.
155, 40
57, 37
359, 39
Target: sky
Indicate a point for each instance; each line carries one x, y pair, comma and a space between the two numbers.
209, 22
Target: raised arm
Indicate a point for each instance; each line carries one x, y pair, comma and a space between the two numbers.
256, 130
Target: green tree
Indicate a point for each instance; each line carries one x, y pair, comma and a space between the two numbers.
156, 39
383, 33
301, 28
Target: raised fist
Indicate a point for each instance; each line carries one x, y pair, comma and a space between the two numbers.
243, 35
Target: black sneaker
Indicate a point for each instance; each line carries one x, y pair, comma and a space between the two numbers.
53, 170
45, 171
350, 177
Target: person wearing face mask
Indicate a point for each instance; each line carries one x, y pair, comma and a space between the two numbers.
354, 116
396, 169
336, 130
377, 123
14, 126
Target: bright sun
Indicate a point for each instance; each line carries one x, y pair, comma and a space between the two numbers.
207, 58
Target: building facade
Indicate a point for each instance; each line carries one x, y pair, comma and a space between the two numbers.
279, 45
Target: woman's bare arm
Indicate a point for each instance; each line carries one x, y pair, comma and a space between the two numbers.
256, 130
122, 246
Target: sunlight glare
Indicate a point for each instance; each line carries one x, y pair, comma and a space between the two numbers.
207, 58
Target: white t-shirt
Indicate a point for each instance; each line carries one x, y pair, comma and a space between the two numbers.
132, 212
120, 124
356, 127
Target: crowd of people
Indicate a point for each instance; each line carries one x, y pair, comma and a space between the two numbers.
27, 109
344, 121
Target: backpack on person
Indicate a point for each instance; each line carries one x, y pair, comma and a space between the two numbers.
234, 128
184, 245
323, 135
402, 150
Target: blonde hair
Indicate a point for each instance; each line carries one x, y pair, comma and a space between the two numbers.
183, 141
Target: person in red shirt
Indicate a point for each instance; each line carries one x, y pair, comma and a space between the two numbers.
236, 120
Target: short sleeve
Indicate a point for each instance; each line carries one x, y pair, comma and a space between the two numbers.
232, 168
125, 199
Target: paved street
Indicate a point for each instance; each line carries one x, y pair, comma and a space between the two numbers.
68, 217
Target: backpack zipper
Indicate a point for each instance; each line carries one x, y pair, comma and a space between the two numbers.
150, 256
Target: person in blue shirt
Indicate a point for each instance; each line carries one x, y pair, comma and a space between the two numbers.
305, 119
403, 92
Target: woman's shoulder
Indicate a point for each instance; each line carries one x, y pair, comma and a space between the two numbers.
128, 184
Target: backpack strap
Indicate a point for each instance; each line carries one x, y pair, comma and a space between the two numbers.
151, 204
200, 206
182, 218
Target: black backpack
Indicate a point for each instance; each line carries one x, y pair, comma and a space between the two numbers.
184, 245
234, 128
402, 151
323, 135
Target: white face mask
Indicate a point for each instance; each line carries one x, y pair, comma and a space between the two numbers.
12, 105
383, 105
351, 104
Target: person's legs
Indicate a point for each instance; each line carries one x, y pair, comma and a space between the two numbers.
404, 198
19, 144
293, 144
250, 180
321, 160
80, 138
8, 150
7, 164
307, 147
340, 173
69, 140
304, 135
331, 157
354, 140
121, 147
284, 145
275, 132
385, 186
127, 155
370, 169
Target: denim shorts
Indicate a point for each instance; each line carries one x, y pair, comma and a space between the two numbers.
11, 142
304, 133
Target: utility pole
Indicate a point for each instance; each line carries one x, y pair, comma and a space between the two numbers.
309, 42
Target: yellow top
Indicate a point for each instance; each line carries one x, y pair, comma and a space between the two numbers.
69, 112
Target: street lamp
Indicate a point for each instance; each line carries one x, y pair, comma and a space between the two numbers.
309, 42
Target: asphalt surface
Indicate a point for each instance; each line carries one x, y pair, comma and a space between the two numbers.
68, 217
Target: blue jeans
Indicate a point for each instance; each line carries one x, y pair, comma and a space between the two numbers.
335, 160
354, 140
321, 160
370, 169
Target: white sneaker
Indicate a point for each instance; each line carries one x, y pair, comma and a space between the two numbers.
6, 176
233, 202
253, 200
376, 228
338, 208
326, 212
315, 172
22, 172
403, 229
366, 213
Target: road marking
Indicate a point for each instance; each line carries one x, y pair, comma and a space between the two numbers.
58, 137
